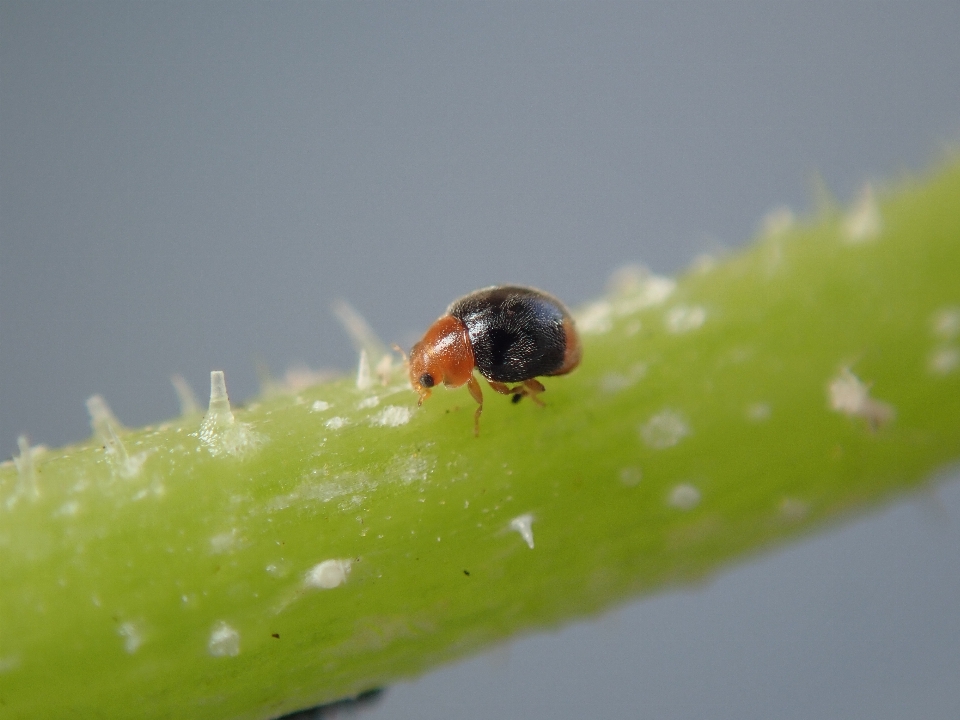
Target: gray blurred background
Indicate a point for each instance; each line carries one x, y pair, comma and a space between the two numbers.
189, 186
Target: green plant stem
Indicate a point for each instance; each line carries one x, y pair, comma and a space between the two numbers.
175, 571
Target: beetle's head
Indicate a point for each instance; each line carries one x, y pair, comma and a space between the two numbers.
443, 356
425, 370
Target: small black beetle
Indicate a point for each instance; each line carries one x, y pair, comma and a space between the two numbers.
511, 334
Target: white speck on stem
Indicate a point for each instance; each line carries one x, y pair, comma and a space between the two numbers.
9, 663
411, 469
664, 430
369, 402
628, 279
327, 574
683, 318
392, 416
944, 361
224, 542
847, 394
69, 509
793, 510
851, 397
633, 288
684, 497
523, 524
132, 639
595, 318
615, 382
636, 288
224, 641
862, 222
758, 412
320, 406
278, 569
336, 422
945, 323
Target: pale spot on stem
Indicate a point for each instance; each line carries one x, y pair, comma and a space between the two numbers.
523, 524
630, 476
945, 323
664, 430
224, 641
684, 497
336, 422
595, 319
683, 318
327, 574
944, 361
132, 637
851, 397
757, 412
392, 416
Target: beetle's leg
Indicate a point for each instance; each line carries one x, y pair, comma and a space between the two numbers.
474, 387
530, 387
533, 388
503, 389
518, 392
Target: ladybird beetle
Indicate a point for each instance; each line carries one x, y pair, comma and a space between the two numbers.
511, 334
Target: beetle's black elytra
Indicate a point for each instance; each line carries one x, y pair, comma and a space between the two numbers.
509, 333
516, 333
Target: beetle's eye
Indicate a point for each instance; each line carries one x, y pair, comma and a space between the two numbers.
426, 380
